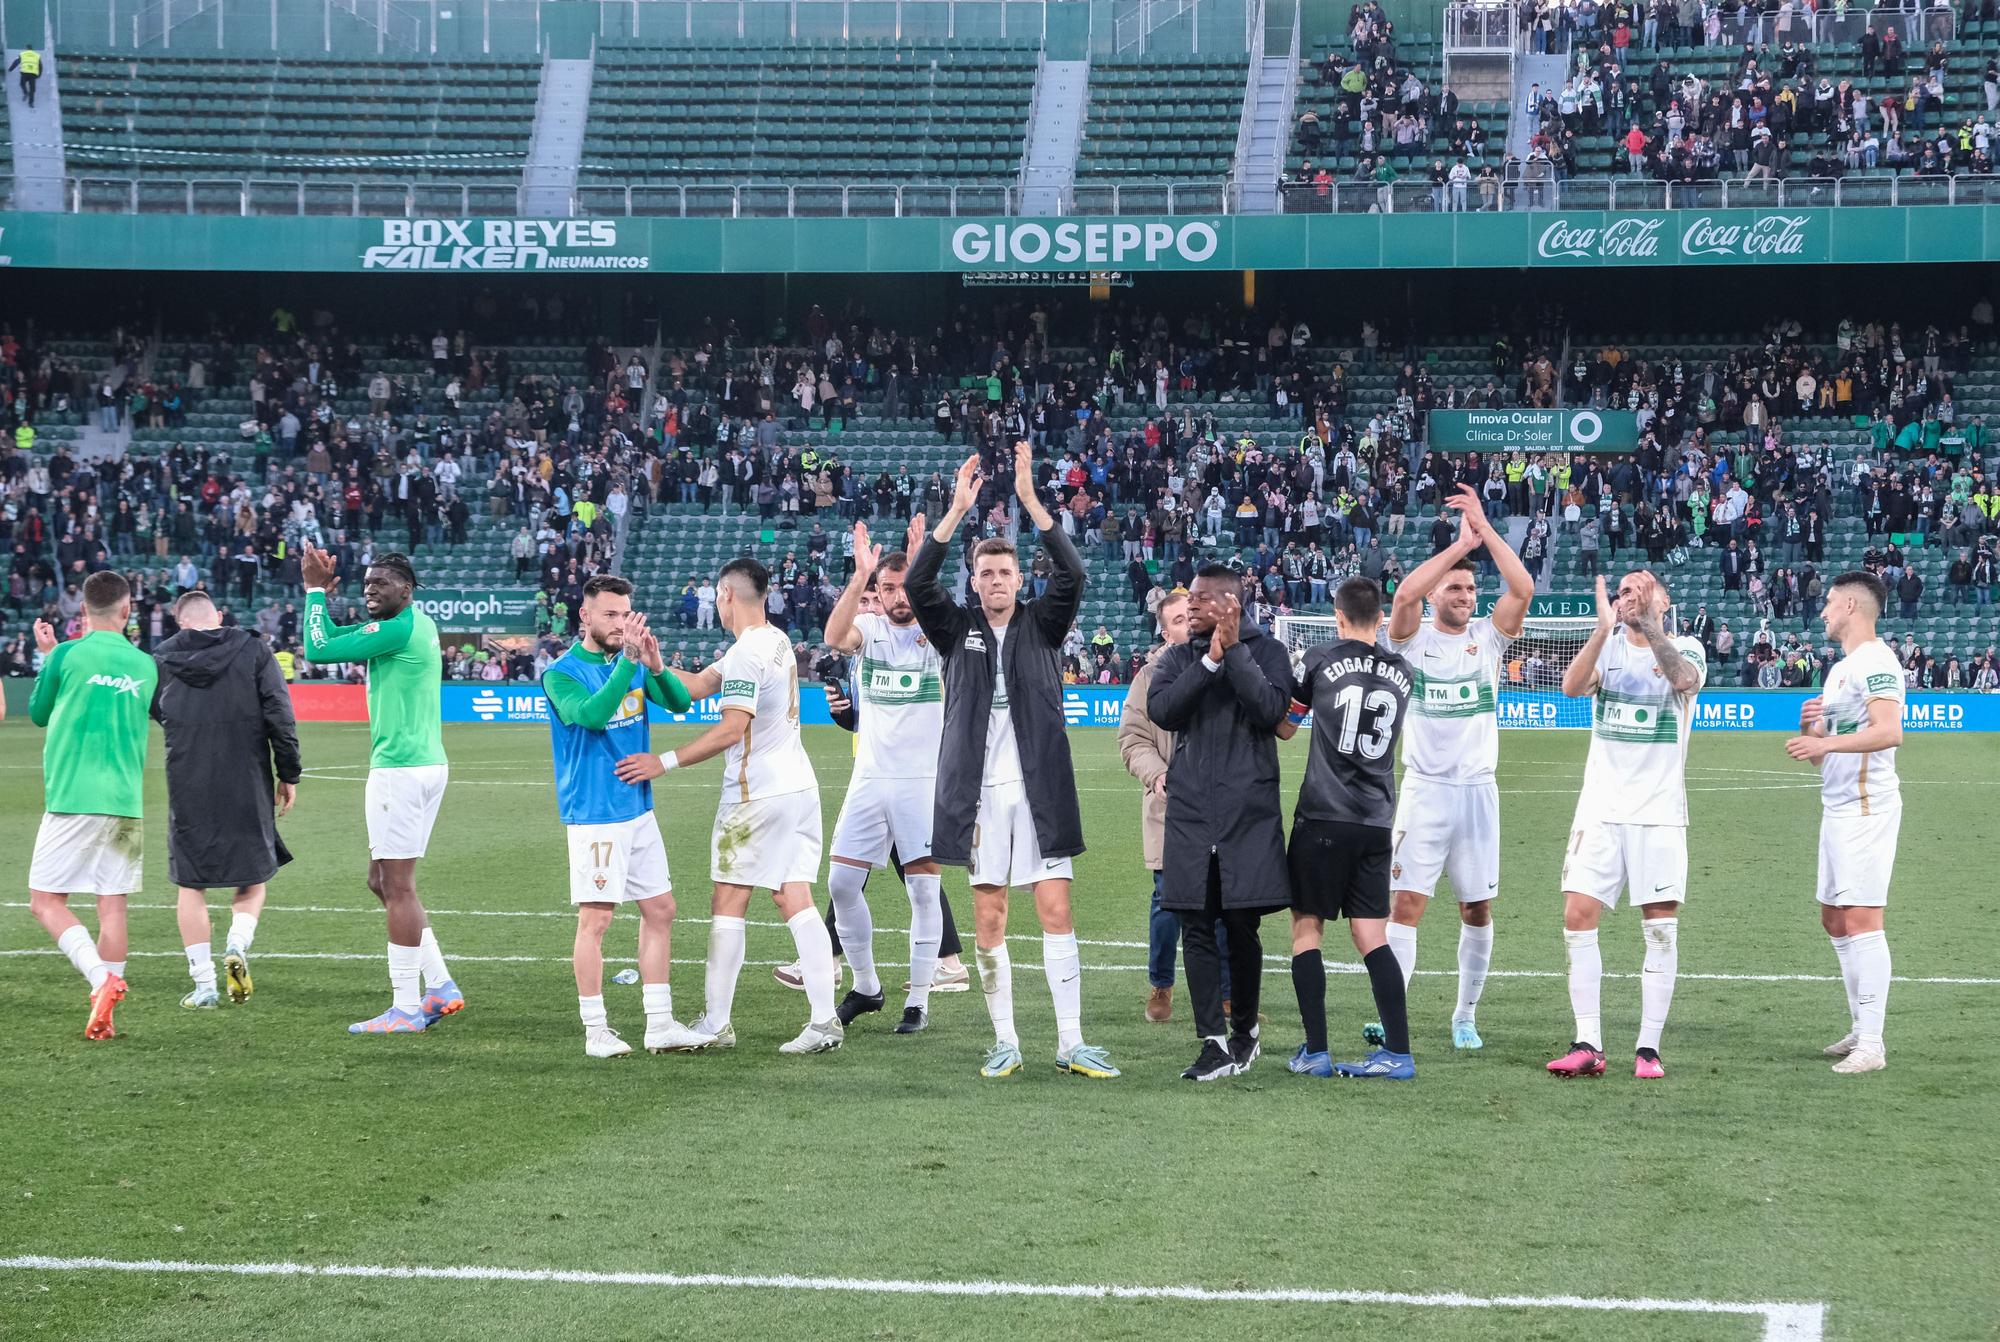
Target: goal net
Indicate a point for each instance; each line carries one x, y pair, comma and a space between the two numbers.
1530, 679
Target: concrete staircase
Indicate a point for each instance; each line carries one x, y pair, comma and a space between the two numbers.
39, 164
1529, 71
1055, 135
555, 147
1267, 112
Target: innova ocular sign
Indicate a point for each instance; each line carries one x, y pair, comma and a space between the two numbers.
1112, 243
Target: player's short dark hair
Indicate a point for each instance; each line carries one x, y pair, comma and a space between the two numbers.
750, 571
194, 596
994, 545
1215, 570
102, 591
398, 564
604, 583
1466, 565
896, 561
1359, 600
1877, 590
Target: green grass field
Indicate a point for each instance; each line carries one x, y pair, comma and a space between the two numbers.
264, 1134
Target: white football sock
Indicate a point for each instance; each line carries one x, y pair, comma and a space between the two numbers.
926, 931
1586, 974
1475, 954
405, 964
816, 961
116, 968
725, 962
996, 981
201, 965
657, 999
592, 1010
1064, 970
1870, 953
242, 932
1403, 945
1656, 980
82, 952
1843, 952
856, 924
432, 965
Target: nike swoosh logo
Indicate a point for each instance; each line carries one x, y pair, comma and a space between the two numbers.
1658, 888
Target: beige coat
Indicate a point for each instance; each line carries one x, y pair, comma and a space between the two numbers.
1146, 749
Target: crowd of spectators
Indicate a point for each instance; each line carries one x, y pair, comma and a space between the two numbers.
1922, 108
1730, 462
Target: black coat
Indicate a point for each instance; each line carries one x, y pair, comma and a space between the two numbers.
1222, 782
228, 720
1033, 659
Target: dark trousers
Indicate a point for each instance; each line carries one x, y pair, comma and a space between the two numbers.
1204, 957
1163, 941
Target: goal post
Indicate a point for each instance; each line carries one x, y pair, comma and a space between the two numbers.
1531, 677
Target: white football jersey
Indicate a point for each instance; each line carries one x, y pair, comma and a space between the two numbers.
1003, 752
1636, 772
761, 677
899, 685
1860, 784
1453, 732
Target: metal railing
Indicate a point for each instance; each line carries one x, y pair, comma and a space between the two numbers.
1638, 193
1149, 198
1133, 25
1477, 27
1754, 26
261, 198
753, 201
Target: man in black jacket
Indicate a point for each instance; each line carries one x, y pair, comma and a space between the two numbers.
228, 720
1223, 694
1006, 803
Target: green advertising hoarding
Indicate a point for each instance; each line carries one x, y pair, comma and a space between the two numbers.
1127, 244
1501, 430
479, 610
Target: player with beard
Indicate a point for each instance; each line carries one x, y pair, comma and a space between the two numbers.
898, 682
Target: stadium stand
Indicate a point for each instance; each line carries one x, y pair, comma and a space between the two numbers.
388, 122
486, 428
1165, 119
776, 117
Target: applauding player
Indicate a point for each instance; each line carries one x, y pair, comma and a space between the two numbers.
598, 692
1630, 831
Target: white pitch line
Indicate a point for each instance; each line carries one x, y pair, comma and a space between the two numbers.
1784, 1321
1274, 965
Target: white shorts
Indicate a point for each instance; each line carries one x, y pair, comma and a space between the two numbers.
87, 855
1450, 829
1005, 850
1856, 855
766, 843
880, 812
402, 806
1650, 862
618, 862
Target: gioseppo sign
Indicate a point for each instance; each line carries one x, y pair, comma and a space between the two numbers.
502, 244
1710, 236
1011, 245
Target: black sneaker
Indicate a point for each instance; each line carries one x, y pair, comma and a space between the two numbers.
857, 1004
1213, 1064
914, 1019
1243, 1049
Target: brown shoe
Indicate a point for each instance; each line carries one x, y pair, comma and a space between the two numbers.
1160, 1005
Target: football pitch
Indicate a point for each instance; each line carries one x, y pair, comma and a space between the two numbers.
254, 1172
